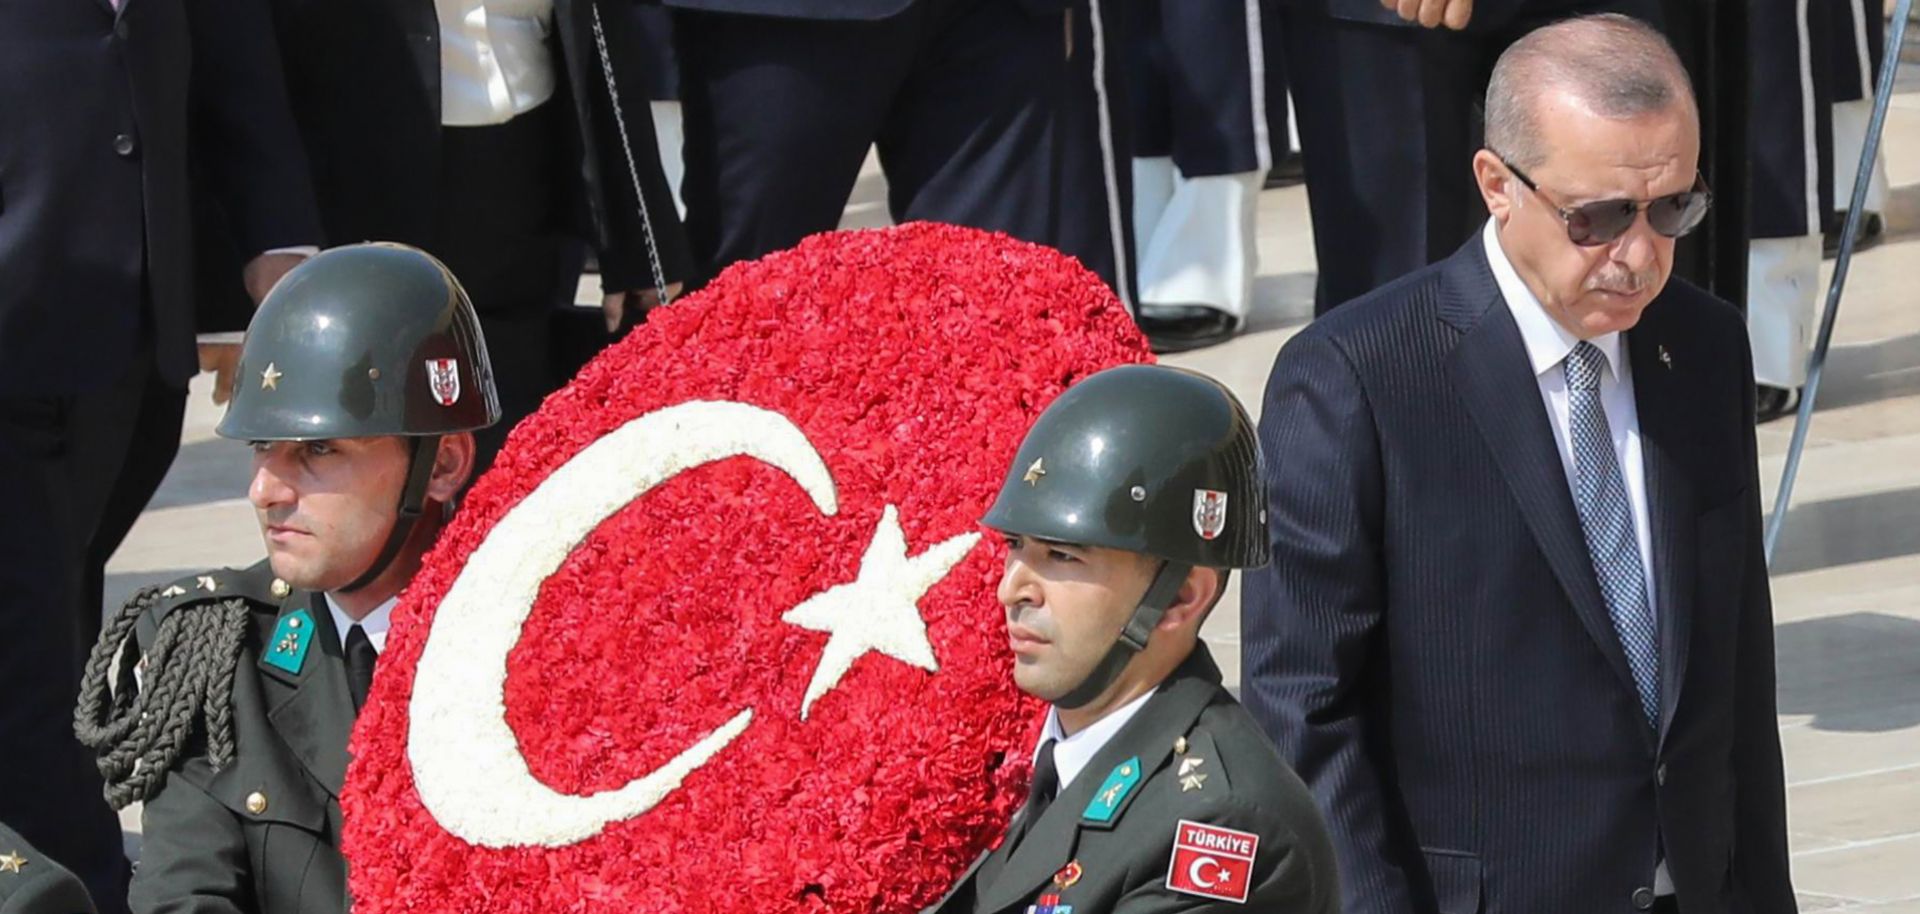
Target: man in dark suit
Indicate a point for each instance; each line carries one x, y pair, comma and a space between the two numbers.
31, 883
1385, 93
361, 382
1128, 504
96, 331
1517, 633
998, 114
483, 132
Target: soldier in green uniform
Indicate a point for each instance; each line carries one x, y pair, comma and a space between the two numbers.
1129, 502
31, 883
362, 380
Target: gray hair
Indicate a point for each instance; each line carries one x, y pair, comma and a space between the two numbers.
1620, 67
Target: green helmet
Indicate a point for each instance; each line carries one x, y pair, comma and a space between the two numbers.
1149, 459
362, 341
1145, 458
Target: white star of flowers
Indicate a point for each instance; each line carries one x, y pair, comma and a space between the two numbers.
879, 610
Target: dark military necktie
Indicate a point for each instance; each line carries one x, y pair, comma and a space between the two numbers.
1046, 783
360, 660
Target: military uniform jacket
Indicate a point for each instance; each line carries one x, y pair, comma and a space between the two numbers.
1186, 808
263, 833
33, 884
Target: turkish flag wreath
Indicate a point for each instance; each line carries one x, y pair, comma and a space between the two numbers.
717, 632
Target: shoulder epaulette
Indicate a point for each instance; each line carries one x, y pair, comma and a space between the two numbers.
255, 584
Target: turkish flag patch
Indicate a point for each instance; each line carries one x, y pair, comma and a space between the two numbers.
1211, 861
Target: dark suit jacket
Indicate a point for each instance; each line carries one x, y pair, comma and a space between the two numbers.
1125, 859
262, 834
834, 9
1429, 647
364, 79
31, 883
95, 248
1488, 15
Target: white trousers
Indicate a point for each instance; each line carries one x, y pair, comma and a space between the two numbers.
667, 133
1195, 236
1849, 138
1783, 307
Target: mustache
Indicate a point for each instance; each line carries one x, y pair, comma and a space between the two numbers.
1621, 280
1030, 616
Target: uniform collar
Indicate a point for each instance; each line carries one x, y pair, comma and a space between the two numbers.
375, 624
1072, 753
1547, 342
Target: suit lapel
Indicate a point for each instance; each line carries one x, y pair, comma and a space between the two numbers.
1149, 736
1660, 394
313, 714
1490, 369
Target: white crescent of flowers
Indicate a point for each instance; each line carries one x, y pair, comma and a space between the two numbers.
466, 762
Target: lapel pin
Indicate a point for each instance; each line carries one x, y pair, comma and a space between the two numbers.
1666, 358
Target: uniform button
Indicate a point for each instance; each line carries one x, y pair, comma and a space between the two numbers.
1643, 899
1660, 776
124, 145
257, 804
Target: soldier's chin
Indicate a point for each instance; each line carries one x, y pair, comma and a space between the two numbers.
1040, 680
290, 568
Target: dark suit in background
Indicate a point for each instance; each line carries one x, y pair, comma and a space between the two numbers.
1430, 647
96, 332
504, 206
997, 114
1389, 115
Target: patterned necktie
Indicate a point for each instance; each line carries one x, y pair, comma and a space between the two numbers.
360, 659
1606, 516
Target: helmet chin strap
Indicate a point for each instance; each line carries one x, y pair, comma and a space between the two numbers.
413, 501
1133, 639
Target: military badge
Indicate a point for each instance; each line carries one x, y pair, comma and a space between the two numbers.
1049, 904
1068, 875
1211, 861
443, 378
1209, 513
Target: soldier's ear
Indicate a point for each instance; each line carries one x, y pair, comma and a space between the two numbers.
1197, 596
452, 465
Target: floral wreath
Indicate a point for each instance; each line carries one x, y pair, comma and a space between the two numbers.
718, 630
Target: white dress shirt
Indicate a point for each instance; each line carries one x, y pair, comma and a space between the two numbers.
1548, 344
375, 624
1072, 753
494, 59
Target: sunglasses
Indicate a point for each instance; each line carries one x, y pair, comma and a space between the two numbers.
1603, 221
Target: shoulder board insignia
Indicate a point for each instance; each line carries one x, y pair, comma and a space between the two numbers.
1120, 782
287, 649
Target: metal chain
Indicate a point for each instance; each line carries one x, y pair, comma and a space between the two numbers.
633, 167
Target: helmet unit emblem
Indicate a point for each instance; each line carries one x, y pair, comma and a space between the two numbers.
443, 376
1209, 513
